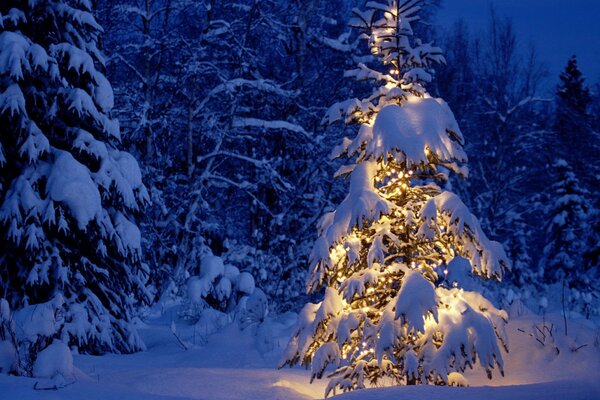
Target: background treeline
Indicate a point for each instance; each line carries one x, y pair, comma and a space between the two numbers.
222, 101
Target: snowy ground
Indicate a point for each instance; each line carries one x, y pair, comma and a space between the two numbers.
228, 365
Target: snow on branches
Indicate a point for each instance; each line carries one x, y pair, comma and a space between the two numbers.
384, 253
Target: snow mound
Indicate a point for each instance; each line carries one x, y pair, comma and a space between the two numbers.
54, 360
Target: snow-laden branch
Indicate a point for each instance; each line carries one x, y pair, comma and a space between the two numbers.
257, 163
261, 123
233, 84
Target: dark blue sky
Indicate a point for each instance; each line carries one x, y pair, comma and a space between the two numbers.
557, 28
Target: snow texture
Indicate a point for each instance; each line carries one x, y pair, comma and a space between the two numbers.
410, 131
38, 320
230, 367
70, 183
415, 301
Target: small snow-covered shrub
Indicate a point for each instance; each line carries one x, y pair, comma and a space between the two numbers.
218, 294
254, 308
26, 333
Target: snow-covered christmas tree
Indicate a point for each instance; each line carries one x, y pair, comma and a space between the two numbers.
398, 257
67, 193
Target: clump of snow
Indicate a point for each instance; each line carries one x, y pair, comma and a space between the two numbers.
231, 272
129, 237
416, 300
13, 55
421, 124
54, 360
487, 257
79, 324
245, 283
12, 100
457, 379
103, 93
459, 274
197, 288
327, 353
38, 320
70, 183
211, 267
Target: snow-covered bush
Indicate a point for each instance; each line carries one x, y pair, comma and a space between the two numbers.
26, 333
218, 294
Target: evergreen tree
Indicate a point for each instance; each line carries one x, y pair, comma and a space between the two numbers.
569, 236
573, 125
67, 193
578, 139
398, 256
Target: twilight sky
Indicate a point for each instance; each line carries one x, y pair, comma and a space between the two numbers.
557, 28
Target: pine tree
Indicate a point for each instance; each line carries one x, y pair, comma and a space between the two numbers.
569, 234
67, 193
573, 125
397, 257
579, 145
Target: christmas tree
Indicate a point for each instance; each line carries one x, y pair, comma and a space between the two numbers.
399, 257
68, 194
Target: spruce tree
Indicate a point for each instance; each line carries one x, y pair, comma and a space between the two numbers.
67, 193
579, 147
397, 258
578, 142
569, 236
